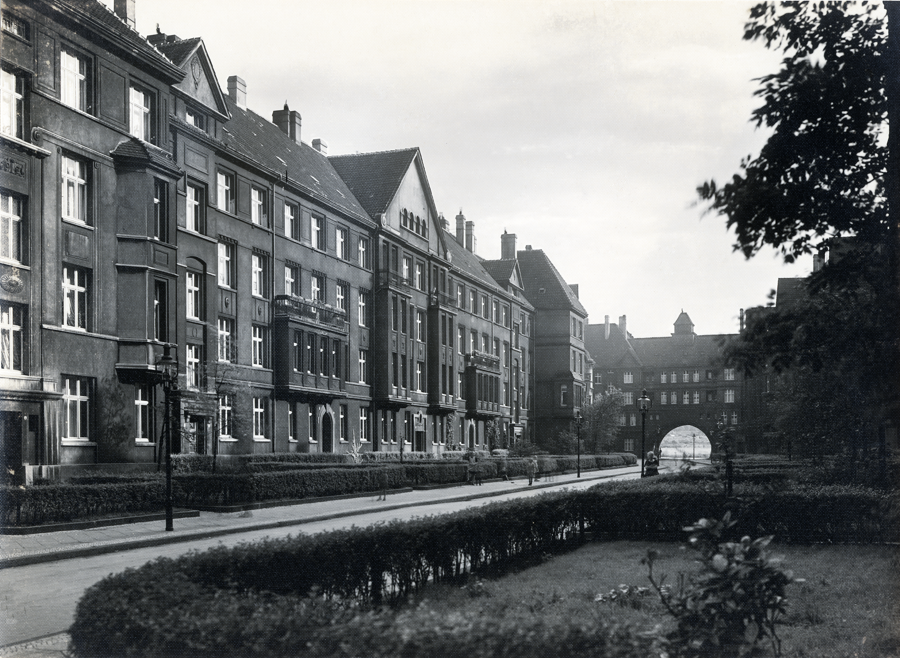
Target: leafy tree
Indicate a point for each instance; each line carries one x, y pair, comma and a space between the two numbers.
601, 421
821, 181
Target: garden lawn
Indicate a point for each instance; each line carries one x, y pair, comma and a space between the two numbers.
848, 604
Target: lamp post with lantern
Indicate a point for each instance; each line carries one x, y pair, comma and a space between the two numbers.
644, 405
167, 375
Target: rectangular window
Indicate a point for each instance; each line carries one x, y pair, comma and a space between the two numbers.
225, 191
685, 377
343, 422
734, 418
259, 419
226, 265
292, 280
160, 311
363, 367
15, 25
695, 376
341, 293
193, 296
496, 306
290, 423
259, 268
75, 297
629, 398
420, 276
406, 272
632, 419
564, 396
485, 343
226, 339
340, 242
317, 287
74, 198
12, 233
364, 424
313, 421
685, 398
628, 377
11, 345
673, 379
420, 376
420, 326
363, 308
291, 221
309, 348
260, 340
258, 214
77, 408
225, 417
194, 118
11, 104
696, 397
140, 116
362, 252
663, 378
729, 374
663, 398
496, 347
194, 216
142, 415
628, 444
317, 232
729, 395
74, 79
485, 313
192, 367
673, 399
473, 302
473, 341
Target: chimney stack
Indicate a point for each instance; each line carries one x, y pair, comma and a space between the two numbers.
237, 91
622, 326
574, 287
288, 121
461, 228
606, 327
445, 225
125, 10
508, 246
320, 145
470, 236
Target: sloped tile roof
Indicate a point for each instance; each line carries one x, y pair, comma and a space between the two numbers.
500, 270
539, 273
467, 262
258, 140
789, 292
135, 149
178, 51
374, 177
679, 350
608, 352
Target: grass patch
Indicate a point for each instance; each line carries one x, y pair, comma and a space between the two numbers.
848, 604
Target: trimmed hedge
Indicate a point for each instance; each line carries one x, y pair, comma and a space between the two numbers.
58, 503
188, 605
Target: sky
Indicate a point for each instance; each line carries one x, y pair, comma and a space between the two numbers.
583, 127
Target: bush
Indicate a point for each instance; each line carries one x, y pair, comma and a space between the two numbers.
58, 503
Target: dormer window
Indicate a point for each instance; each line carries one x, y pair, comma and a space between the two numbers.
194, 118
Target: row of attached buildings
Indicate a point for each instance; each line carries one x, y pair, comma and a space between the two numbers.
313, 302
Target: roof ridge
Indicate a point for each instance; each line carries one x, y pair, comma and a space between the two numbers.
354, 155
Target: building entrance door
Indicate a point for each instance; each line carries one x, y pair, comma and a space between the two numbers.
327, 434
11, 448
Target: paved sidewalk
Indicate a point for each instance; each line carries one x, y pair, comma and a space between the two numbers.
20, 550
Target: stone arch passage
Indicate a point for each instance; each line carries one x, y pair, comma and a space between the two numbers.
685, 440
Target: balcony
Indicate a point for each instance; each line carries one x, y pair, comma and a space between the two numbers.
442, 299
311, 311
310, 387
483, 361
388, 279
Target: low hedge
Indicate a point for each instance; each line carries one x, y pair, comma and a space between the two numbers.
58, 503
252, 594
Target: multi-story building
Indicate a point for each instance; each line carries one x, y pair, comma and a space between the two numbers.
682, 374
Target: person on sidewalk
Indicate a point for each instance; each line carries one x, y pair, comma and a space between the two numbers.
651, 465
472, 468
531, 465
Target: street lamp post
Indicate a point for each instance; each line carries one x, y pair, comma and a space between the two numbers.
694, 446
578, 443
644, 403
167, 374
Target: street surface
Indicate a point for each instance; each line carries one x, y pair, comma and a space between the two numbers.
37, 601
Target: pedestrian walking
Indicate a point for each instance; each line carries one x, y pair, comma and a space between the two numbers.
531, 465
472, 468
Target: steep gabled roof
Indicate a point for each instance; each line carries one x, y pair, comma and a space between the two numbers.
790, 291
178, 51
544, 286
374, 178
181, 52
468, 263
611, 352
260, 141
500, 270
679, 351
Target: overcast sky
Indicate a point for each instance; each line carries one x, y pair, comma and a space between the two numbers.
582, 127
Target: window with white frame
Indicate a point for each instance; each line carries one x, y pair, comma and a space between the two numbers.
160, 310
420, 276
673, 399
195, 197
363, 367
12, 232
15, 25
258, 269
317, 232
193, 295
420, 326
226, 265
363, 423
142, 432
420, 376
226, 339
696, 397
225, 190
628, 444
729, 395
317, 286
75, 297
621, 419
363, 308
140, 114
259, 418
225, 428
195, 118
695, 376
685, 397
629, 398
343, 422
11, 104
74, 198
663, 398
340, 242
362, 252
258, 213
260, 347
628, 377
632, 419
729, 374
11, 338
685, 377
473, 301
460, 296
292, 280
192, 366
341, 293
406, 272
76, 408
74, 79
291, 221
485, 310
734, 418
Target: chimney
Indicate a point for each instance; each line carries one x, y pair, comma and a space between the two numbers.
622, 326
461, 228
606, 327
320, 145
445, 225
125, 10
288, 121
574, 287
237, 91
741, 317
508, 246
527, 247
470, 236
